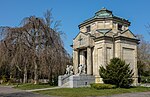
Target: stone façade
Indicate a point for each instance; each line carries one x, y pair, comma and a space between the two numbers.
101, 38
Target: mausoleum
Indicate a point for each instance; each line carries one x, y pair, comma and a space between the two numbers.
101, 38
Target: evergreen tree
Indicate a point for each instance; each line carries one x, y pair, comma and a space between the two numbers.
118, 73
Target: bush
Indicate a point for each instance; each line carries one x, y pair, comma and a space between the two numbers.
102, 86
145, 79
4, 80
146, 73
118, 73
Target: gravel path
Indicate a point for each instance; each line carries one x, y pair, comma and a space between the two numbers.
43, 89
6, 91
23, 94
139, 94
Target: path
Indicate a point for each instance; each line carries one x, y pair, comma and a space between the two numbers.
139, 94
7, 91
43, 89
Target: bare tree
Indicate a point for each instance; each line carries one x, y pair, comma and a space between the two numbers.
148, 28
143, 55
35, 45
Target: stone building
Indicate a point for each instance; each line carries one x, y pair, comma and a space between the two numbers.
101, 38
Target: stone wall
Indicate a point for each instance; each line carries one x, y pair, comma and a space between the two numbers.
75, 81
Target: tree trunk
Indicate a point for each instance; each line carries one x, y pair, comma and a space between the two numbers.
35, 73
25, 75
50, 74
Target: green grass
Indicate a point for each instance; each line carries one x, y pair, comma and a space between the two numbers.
32, 86
82, 92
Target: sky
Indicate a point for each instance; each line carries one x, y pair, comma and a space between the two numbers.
73, 12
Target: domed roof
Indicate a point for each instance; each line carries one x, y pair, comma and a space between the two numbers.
104, 14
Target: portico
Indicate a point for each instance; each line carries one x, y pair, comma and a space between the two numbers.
83, 56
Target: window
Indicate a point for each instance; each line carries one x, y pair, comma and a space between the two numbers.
119, 27
88, 28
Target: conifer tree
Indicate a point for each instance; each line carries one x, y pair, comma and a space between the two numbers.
117, 72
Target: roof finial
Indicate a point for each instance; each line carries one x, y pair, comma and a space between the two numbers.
103, 8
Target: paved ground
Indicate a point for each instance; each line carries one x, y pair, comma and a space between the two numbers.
11, 92
141, 94
23, 94
43, 89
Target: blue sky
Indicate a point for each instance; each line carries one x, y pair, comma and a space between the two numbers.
73, 12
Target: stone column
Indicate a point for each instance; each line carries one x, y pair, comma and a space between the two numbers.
89, 61
82, 57
75, 61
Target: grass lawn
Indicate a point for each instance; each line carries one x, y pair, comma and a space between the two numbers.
82, 92
32, 86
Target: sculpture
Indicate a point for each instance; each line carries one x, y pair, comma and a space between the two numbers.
69, 70
81, 69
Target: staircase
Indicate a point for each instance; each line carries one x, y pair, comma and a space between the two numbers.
73, 81
64, 81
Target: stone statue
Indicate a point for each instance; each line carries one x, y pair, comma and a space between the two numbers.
69, 70
81, 69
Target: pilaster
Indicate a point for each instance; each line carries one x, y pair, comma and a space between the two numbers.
135, 67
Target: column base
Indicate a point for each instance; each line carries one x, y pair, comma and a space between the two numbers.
98, 79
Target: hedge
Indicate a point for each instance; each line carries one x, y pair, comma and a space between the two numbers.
102, 86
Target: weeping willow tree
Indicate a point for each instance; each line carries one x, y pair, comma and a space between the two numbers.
34, 50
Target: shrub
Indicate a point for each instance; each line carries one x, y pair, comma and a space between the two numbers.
102, 86
4, 79
145, 79
118, 73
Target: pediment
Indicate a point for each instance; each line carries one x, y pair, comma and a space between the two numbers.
128, 33
110, 34
82, 40
80, 35
102, 32
97, 34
